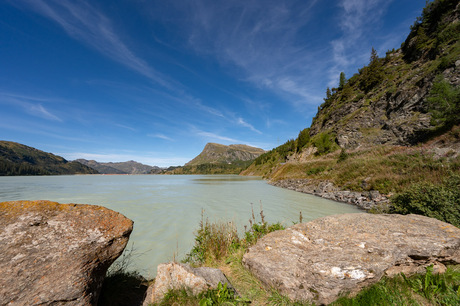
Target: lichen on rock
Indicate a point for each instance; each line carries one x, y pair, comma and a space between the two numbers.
322, 259
57, 253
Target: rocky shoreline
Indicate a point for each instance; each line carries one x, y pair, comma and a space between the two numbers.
365, 200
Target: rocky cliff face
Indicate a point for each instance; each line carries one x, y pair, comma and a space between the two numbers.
386, 102
218, 153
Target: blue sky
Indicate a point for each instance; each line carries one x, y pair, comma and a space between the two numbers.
154, 81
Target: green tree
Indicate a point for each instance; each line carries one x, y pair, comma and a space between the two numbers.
373, 74
444, 103
342, 80
325, 143
374, 57
303, 139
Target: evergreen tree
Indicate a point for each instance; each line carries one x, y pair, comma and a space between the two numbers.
342, 80
303, 139
373, 74
374, 57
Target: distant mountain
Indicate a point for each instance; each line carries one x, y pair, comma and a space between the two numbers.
214, 153
129, 167
219, 159
19, 159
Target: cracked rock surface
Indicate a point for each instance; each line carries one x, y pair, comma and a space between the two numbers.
55, 253
322, 259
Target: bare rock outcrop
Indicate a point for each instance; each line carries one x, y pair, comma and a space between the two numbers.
181, 276
365, 200
57, 254
320, 260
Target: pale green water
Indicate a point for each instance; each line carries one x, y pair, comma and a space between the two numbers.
167, 209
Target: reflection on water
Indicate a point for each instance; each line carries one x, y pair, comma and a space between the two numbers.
167, 209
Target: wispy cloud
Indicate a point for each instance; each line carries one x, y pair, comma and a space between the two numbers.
259, 38
30, 104
126, 127
85, 23
161, 136
357, 18
213, 136
39, 111
240, 121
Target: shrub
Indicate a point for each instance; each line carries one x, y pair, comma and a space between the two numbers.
316, 170
440, 201
303, 139
444, 103
325, 143
259, 229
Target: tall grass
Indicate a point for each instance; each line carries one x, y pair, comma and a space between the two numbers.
420, 289
213, 241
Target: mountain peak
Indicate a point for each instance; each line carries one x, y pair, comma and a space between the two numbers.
214, 153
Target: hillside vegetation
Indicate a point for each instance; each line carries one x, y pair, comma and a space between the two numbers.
392, 126
18, 159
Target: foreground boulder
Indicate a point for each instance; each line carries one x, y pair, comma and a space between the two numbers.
55, 253
320, 260
176, 276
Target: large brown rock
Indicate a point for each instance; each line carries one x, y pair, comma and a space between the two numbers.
327, 257
55, 253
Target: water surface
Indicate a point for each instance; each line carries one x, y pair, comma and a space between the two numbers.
166, 210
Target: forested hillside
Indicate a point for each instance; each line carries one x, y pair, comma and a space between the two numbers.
18, 159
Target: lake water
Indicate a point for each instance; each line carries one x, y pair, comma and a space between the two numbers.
166, 210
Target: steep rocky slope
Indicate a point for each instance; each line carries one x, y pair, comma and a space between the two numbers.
394, 127
18, 159
388, 102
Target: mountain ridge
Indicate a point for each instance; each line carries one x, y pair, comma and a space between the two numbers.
219, 159
19, 159
219, 153
128, 167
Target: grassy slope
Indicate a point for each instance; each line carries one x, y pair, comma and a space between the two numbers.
388, 169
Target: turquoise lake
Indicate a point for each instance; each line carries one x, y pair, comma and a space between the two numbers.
166, 210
